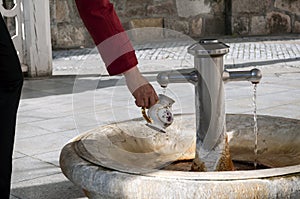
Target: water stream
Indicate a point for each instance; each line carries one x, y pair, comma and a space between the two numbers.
255, 128
164, 90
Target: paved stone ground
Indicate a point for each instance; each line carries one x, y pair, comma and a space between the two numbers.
54, 110
243, 53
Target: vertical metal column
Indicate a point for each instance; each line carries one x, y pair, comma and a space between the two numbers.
208, 75
210, 100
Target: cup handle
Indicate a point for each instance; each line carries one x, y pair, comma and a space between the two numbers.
148, 119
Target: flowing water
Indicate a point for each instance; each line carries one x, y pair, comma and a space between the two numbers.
164, 90
255, 128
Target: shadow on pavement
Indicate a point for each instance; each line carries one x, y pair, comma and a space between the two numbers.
61, 85
59, 190
261, 63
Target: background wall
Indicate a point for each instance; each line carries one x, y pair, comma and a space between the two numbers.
252, 17
196, 18
67, 29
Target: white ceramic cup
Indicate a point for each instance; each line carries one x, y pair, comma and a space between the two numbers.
160, 116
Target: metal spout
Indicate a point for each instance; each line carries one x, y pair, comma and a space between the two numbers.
177, 76
253, 76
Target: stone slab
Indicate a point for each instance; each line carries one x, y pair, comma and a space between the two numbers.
53, 186
40, 144
250, 6
189, 8
148, 29
290, 6
28, 168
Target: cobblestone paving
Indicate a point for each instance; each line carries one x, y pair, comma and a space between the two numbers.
240, 52
265, 51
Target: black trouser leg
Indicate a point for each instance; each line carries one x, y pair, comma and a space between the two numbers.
11, 81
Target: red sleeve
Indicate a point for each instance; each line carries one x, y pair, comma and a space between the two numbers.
108, 34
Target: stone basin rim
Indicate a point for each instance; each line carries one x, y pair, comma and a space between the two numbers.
228, 175
103, 182
150, 182
187, 175
69, 150
179, 175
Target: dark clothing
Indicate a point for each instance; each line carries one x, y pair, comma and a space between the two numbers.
11, 81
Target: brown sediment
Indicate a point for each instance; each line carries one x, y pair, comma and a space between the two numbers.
225, 162
198, 165
186, 165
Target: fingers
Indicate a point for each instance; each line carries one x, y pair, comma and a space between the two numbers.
140, 88
152, 100
146, 102
145, 96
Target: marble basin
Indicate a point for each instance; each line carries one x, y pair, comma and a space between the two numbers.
127, 160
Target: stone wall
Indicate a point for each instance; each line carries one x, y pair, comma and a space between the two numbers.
252, 17
196, 18
67, 29
192, 17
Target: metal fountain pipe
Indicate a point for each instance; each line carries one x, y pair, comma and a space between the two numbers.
253, 75
191, 75
177, 76
208, 75
209, 94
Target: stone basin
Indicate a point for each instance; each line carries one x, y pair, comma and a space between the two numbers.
127, 160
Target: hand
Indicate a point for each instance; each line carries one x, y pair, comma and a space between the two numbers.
141, 89
145, 96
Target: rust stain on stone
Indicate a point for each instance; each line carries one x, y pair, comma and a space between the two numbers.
225, 162
198, 165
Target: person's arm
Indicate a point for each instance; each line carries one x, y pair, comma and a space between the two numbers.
104, 26
141, 89
115, 47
